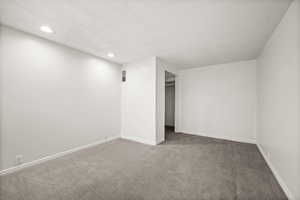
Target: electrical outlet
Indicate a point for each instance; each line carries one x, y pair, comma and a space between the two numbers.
268, 154
19, 159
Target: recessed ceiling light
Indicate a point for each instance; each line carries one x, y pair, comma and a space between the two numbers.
111, 55
46, 29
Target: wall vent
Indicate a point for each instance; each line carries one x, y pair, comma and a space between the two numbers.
123, 76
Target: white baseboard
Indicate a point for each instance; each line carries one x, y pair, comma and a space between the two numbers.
276, 174
54, 156
251, 141
160, 141
273, 169
57, 155
136, 139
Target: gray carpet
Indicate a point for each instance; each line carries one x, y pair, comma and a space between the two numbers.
183, 168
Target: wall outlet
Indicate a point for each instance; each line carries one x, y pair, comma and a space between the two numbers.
268, 154
19, 159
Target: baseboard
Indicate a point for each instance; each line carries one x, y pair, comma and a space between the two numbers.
276, 174
160, 141
251, 141
54, 156
136, 139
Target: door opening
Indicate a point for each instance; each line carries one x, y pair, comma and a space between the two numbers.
169, 104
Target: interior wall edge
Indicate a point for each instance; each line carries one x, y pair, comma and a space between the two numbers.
43, 89
276, 174
1, 100
278, 101
204, 87
242, 140
60, 44
54, 156
139, 140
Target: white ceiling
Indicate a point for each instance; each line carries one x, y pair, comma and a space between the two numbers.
189, 33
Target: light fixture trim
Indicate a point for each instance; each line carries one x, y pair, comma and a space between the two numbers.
46, 29
110, 54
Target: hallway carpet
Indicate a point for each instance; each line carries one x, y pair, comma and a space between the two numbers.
185, 167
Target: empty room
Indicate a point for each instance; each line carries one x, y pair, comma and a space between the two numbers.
150, 100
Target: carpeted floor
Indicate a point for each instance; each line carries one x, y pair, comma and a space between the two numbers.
185, 167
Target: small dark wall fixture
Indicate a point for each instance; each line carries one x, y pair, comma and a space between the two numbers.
123, 76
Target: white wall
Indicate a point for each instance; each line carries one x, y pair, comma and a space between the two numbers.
1, 82
54, 98
139, 101
143, 100
279, 100
219, 101
170, 106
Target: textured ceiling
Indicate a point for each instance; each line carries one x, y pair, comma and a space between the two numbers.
189, 33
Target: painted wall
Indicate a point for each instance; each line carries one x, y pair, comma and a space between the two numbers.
54, 98
1, 82
219, 101
170, 106
279, 100
139, 101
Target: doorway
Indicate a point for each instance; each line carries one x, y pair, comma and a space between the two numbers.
169, 104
